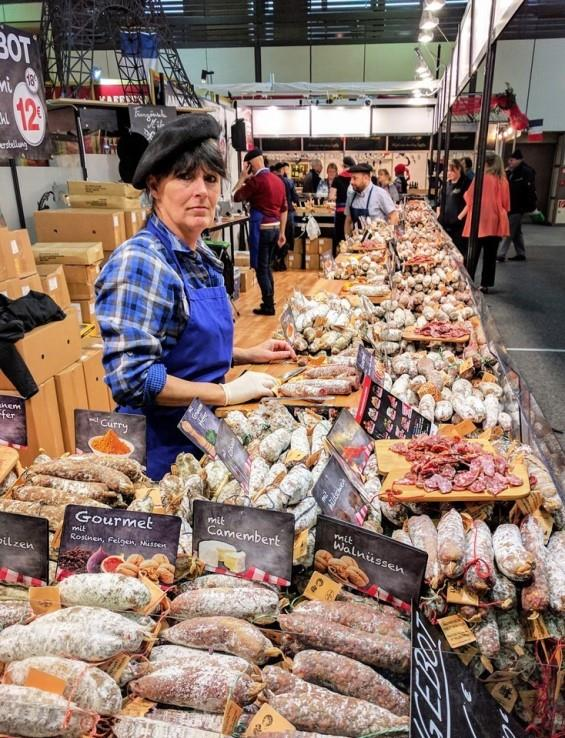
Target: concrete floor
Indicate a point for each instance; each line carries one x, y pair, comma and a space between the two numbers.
528, 305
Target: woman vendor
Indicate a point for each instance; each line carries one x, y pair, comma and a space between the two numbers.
163, 310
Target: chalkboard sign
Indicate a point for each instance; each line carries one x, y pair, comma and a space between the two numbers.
373, 143
447, 700
462, 141
383, 415
232, 452
383, 564
94, 539
23, 115
337, 496
13, 428
244, 541
280, 144
149, 119
111, 434
408, 143
350, 441
24, 549
323, 144
201, 426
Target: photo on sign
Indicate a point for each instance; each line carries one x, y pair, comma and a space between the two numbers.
111, 434
24, 550
201, 426
383, 415
13, 425
95, 539
350, 441
380, 564
337, 496
366, 362
288, 325
244, 541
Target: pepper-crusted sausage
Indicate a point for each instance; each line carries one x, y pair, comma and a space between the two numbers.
350, 678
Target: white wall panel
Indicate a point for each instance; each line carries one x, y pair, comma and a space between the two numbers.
287, 63
343, 63
341, 121
401, 120
547, 89
276, 121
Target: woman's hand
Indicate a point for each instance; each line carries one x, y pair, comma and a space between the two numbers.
250, 386
266, 352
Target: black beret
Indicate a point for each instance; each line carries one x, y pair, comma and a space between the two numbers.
183, 134
131, 147
278, 166
253, 154
361, 169
516, 154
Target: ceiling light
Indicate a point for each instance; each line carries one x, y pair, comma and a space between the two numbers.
433, 5
428, 21
425, 37
96, 74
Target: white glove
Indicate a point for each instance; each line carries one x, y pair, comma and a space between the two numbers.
249, 386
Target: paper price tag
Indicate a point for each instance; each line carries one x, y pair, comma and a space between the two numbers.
456, 630
467, 654
300, 545
505, 694
536, 629
52, 284
461, 596
232, 713
44, 599
488, 377
466, 365
137, 707
46, 682
321, 587
268, 720
157, 595
465, 427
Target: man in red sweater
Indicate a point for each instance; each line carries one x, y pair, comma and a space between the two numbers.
266, 195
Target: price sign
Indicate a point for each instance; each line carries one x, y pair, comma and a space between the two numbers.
23, 117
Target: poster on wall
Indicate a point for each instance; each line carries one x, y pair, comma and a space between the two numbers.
23, 115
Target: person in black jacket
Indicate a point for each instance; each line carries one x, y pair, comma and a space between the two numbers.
338, 193
457, 185
312, 179
282, 169
522, 181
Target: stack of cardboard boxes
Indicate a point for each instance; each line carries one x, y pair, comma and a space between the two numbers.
247, 279
69, 373
312, 249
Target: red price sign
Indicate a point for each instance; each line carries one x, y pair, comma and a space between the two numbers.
28, 111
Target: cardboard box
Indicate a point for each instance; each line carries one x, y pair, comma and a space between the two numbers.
134, 220
15, 247
48, 349
247, 280
54, 283
105, 202
313, 262
84, 253
71, 396
117, 189
27, 284
81, 274
10, 288
77, 224
299, 245
43, 424
96, 390
241, 258
86, 310
324, 244
81, 292
294, 260
318, 245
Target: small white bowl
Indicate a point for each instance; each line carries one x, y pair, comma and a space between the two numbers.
113, 456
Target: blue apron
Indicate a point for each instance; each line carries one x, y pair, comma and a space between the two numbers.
255, 220
203, 353
357, 213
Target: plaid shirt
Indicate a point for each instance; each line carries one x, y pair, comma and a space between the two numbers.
142, 309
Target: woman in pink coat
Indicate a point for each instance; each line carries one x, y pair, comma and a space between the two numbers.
493, 224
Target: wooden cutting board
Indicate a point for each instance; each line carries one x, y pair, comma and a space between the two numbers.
411, 334
277, 370
395, 466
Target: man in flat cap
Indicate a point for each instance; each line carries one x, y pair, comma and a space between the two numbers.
266, 195
367, 200
523, 199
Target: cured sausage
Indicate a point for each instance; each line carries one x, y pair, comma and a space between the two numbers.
350, 678
451, 544
511, 557
535, 596
479, 557
556, 571
423, 535
247, 603
85, 471
357, 616
115, 592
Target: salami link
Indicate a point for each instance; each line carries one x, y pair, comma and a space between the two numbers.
247, 603
85, 471
511, 557
556, 571
350, 678
451, 544
309, 707
423, 535
387, 653
318, 388
535, 596
91, 490
357, 616
479, 558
